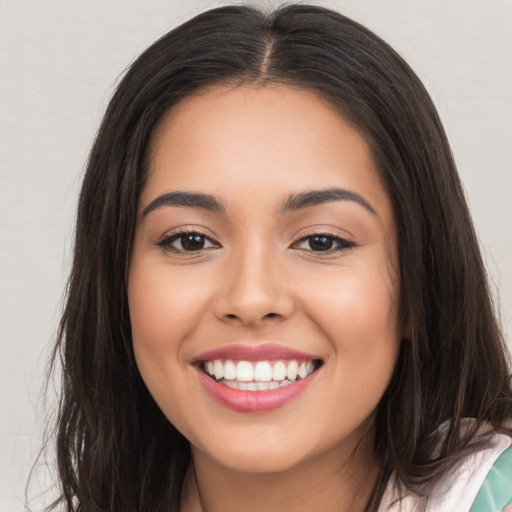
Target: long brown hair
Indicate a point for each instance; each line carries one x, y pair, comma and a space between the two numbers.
116, 451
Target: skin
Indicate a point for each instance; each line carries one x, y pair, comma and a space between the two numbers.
258, 278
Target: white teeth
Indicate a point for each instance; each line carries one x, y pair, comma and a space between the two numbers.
248, 386
229, 370
218, 369
262, 371
254, 386
278, 371
292, 370
244, 371
261, 375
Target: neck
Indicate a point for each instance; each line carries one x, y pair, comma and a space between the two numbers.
339, 480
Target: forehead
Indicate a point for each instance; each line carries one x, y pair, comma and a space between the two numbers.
260, 142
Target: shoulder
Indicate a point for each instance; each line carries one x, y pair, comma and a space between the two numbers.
495, 494
482, 478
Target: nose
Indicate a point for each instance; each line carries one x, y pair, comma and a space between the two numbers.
253, 290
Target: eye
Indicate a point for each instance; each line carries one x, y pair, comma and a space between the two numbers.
323, 242
187, 241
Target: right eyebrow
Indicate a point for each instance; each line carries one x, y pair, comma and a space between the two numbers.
315, 197
187, 199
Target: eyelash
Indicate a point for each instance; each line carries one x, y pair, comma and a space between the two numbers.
342, 243
166, 243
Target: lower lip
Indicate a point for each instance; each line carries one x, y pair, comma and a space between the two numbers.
254, 401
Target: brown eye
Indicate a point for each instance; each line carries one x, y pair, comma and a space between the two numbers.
187, 242
192, 242
320, 243
324, 243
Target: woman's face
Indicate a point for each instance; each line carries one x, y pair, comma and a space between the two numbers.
264, 252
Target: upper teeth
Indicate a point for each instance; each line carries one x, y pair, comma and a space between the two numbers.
259, 371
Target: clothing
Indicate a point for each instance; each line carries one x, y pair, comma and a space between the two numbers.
482, 482
496, 490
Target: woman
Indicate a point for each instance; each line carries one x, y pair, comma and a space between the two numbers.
277, 299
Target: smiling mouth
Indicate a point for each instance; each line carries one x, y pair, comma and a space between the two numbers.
259, 375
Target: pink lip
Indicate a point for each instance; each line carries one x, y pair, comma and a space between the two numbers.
265, 352
254, 401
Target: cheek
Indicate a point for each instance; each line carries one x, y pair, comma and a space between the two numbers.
359, 317
356, 310
163, 306
360, 321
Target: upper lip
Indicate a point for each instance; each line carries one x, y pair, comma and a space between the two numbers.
251, 352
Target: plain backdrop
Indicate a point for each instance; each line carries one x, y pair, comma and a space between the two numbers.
59, 62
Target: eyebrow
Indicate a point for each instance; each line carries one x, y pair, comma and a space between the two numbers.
316, 197
293, 203
187, 199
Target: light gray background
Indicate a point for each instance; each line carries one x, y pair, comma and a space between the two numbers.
59, 60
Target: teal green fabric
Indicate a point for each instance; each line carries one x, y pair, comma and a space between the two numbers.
496, 491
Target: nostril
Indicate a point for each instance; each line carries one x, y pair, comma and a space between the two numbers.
268, 315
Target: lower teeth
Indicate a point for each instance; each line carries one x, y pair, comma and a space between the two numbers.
254, 386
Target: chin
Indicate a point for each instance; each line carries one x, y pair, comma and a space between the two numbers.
258, 461
240, 450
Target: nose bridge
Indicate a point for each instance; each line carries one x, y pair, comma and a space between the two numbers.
253, 290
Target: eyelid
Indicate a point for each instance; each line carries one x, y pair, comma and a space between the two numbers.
169, 237
346, 242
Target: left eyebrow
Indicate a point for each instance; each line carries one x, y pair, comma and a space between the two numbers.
315, 197
186, 199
